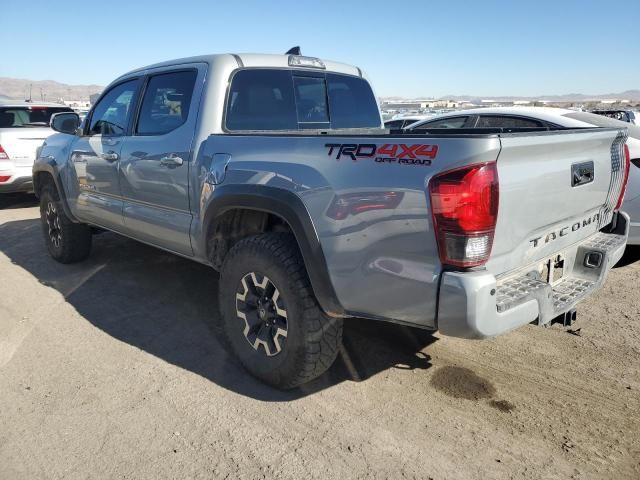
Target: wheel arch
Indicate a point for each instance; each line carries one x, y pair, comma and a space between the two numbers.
44, 173
284, 205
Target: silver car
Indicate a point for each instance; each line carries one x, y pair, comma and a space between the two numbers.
548, 117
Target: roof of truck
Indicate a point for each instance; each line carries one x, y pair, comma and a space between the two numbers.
253, 60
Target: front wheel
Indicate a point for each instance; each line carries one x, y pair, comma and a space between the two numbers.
67, 242
270, 316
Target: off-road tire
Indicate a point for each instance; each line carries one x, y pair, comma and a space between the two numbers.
313, 339
67, 242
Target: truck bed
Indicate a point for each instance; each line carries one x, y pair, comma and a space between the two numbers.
382, 256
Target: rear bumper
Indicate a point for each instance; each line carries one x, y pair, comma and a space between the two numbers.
476, 305
634, 234
21, 178
17, 184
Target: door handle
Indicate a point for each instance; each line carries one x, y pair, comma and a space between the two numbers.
110, 156
171, 161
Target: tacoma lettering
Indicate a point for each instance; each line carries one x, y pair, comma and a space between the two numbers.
564, 231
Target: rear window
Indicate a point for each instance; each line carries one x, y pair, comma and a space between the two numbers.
394, 124
506, 122
32, 116
602, 121
264, 99
447, 122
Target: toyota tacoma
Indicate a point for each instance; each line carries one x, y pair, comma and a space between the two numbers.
276, 171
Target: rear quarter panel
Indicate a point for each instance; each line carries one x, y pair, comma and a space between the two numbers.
383, 263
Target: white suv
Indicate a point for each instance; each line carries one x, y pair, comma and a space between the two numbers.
23, 128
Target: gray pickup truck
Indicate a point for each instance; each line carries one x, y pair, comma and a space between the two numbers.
275, 170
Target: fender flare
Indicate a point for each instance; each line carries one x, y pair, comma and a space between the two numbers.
50, 167
292, 210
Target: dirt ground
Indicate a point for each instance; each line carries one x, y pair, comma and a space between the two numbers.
112, 369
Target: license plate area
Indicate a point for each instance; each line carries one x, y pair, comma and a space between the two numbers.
552, 269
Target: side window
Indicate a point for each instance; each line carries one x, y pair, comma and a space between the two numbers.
449, 122
166, 102
506, 122
111, 115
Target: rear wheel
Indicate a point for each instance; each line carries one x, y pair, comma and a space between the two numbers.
67, 242
271, 319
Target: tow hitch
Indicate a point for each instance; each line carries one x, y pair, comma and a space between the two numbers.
566, 319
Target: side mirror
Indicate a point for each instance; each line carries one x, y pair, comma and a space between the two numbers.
65, 122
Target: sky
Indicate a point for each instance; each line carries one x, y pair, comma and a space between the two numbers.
408, 48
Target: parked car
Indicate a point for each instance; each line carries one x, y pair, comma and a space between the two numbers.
276, 171
403, 121
23, 128
551, 118
629, 116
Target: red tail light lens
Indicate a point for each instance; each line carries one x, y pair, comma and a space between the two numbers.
464, 204
3, 154
625, 178
4, 178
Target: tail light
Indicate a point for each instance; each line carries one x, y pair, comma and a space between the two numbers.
3, 154
464, 204
625, 177
4, 178
355, 203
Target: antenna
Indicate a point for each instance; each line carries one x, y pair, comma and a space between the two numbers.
294, 51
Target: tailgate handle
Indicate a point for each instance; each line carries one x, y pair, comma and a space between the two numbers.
581, 173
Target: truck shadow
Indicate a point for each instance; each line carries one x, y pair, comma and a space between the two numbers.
17, 200
631, 255
167, 306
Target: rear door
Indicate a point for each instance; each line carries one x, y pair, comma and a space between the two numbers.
95, 157
556, 189
156, 157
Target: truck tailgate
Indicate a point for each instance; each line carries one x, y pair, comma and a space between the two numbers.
556, 189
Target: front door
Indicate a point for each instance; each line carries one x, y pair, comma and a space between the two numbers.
155, 159
95, 157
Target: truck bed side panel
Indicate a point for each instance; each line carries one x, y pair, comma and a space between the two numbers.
372, 217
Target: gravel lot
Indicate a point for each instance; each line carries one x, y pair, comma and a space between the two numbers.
112, 369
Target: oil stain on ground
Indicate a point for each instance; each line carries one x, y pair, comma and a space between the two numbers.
459, 382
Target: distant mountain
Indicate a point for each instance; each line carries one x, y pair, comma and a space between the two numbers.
18, 89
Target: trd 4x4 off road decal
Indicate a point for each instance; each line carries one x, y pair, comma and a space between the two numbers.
418, 154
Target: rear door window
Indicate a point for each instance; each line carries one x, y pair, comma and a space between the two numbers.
31, 116
166, 102
265, 99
